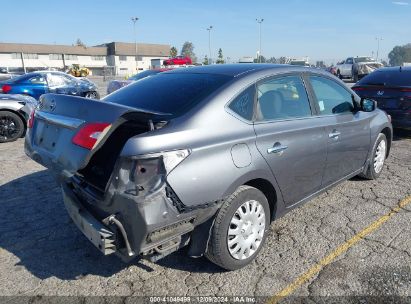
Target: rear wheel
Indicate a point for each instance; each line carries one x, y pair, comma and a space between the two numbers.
339, 74
11, 126
239, 230
377, 159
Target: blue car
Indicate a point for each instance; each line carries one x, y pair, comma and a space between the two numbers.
36, 84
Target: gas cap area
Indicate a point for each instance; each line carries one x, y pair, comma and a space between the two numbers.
240, 153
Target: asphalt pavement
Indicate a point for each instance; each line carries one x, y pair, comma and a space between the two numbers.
310, 252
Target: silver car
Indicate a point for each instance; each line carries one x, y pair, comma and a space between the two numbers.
205, 157
14, 113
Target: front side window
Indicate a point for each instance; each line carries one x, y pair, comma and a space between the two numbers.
282, 98
56, 80
331, 97
243, 104
349, 61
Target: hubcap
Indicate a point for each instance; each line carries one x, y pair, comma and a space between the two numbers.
380, 156
8, 128
246, 230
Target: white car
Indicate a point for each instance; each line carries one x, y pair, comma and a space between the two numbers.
357, 67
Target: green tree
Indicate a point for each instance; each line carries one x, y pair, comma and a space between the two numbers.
173, 52
188, 51
271, 60
205, 60
400, 54
261, 59
80, 43
220, 58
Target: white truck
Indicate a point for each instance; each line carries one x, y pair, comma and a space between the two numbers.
357, 67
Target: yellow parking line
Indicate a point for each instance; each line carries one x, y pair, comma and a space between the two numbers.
337, 252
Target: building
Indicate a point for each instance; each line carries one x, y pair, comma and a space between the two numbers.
118, 58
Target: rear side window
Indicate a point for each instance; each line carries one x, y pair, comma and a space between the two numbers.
282, 98
331, 97
171, 93
38, 79
243, 104
387, 78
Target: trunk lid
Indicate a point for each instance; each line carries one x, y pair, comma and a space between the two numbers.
59, 118
388, 98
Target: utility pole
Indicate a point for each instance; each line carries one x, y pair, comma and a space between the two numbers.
259, 21
134, 20
378, 45
209, 43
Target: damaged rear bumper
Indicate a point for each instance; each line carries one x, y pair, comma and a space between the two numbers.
152, 226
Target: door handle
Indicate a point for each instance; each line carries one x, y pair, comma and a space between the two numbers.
277, 148
334, 134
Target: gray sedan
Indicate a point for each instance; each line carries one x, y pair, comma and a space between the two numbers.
205, 157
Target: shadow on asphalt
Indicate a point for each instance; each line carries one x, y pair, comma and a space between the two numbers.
400, 134
38, 231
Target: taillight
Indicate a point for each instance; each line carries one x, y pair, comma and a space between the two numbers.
89, 134
406, 90
6, 88
30, 122
358, 89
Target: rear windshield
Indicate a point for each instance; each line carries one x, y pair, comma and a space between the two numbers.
364, 59
173, 93
387, 78
143, 74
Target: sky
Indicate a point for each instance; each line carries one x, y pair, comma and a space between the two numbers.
328, 30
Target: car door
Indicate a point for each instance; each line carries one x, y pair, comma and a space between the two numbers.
346, 71
348, 130
287, 136
37, 85
60, 84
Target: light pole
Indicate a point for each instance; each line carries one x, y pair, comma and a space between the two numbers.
259, 49
378, 45
134, 20
209, 42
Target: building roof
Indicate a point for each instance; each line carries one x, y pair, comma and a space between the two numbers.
143, 49
112, 48
51, 49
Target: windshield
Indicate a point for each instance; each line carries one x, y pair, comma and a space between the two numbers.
172, 93
387, 78
364, 59
143, 75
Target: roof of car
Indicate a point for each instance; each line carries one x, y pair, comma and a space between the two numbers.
395, 69
237, 69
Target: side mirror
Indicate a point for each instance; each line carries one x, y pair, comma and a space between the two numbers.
368, 105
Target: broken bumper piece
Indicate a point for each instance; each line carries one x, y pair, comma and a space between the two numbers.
96, 232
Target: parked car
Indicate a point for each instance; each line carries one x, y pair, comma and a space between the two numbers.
210, 164
178, 60
37, 83
114, 85
357, 67
14, 113
332, 70
391, 88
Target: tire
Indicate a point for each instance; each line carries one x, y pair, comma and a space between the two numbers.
11, 126
339, 75
219, 252
354, 76
374, 171
92, 95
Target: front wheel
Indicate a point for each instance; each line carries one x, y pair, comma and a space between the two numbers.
379, 154
11, 127
240, 229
